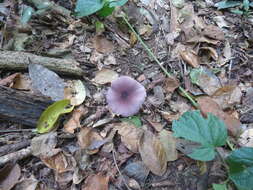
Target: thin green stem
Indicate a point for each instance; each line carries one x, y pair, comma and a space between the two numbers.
186, 94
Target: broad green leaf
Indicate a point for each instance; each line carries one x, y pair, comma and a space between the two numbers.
210, 132
219, 186
117, 3
246, 5
88, 7
240, 163
237, 11
26, 15
49, 117
227, 4
106, 11
135, 120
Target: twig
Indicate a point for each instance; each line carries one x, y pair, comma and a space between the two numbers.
187, 95
116, 165
8, 148
23, 153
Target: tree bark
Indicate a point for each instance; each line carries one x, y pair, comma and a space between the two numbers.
14, 60
21, 107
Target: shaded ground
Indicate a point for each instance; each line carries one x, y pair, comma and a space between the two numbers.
55, 35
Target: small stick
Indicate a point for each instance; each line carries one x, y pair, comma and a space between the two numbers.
187, 95
23, 153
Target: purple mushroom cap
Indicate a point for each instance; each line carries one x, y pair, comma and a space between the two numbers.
125, 96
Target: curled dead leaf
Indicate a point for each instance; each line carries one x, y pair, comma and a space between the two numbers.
211, 52
74, 122
75, 92
9, 80
208, 105
22, 82
153, 153
190, 57
60, 162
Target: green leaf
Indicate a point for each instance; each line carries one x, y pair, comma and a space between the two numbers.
88, 7
106, 11
237, 11
210, 132
240, 163
251, 4
219, 186
227, 4
246, 5
49, 117
26, 15
115, 3
135, 120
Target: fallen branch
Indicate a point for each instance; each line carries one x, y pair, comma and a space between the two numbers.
21, 107
15, 156
8, 148
13, 60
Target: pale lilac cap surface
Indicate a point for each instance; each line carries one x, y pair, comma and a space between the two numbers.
125, 96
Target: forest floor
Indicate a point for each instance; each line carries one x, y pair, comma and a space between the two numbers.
208, 53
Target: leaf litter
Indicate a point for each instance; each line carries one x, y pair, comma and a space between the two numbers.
89, 144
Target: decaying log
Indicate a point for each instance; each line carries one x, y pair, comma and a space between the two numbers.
21, 107
14, 60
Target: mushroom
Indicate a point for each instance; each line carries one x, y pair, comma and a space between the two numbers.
125, 96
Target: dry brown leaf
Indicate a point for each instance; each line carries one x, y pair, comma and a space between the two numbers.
170, 116
9, 80
74, 122
153, 153
96, 182
60, 162
87, 138
199, 39
213, 32
9, 176
22, 82
130, 135
208, 105
102, 45
227, 96
44, 144
190, 57
210, 51
170, 84
105, 76
169, 144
